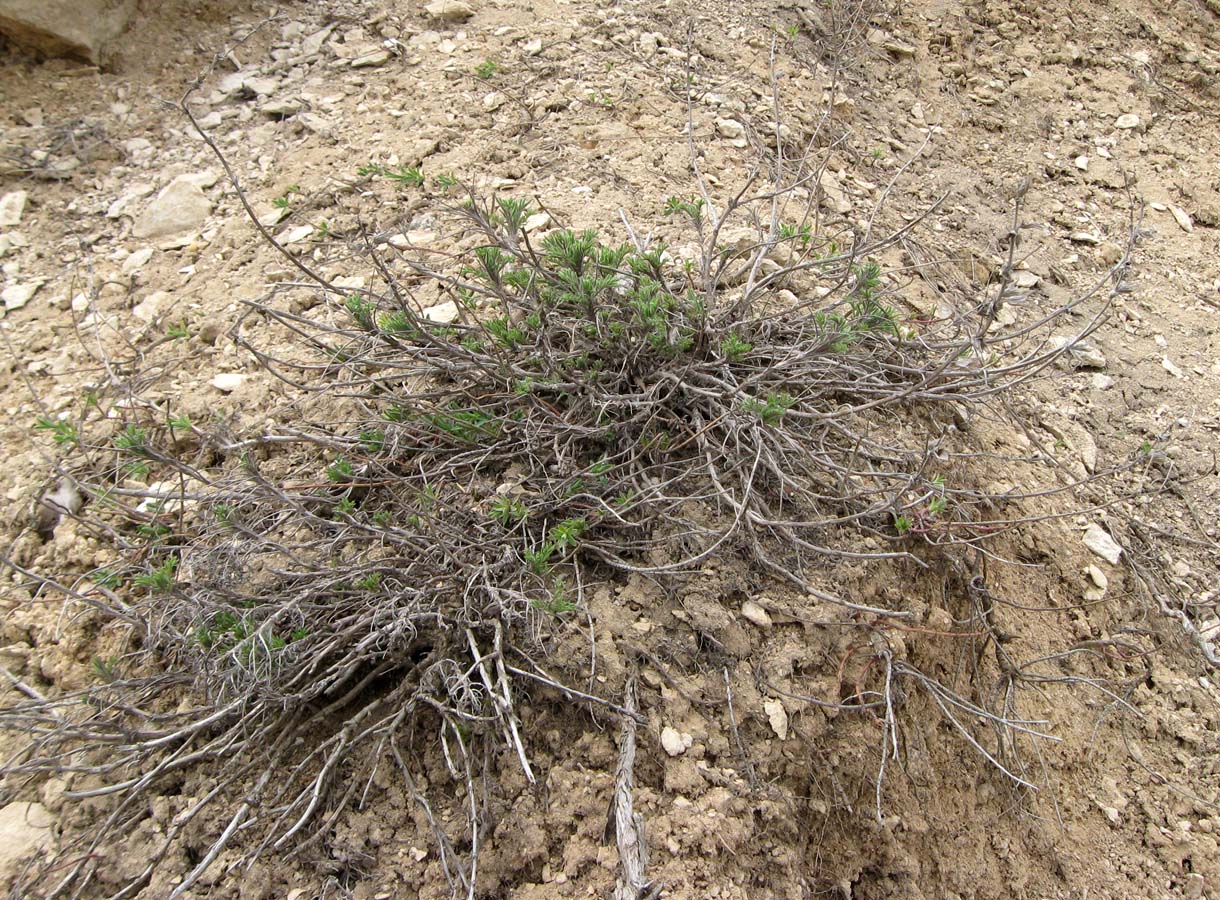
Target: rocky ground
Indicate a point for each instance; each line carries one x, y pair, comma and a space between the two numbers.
125, 247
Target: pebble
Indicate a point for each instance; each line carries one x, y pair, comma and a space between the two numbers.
283, 107
777, 716
248, 82
1127, 121
25, 828
1102, 382
1023, 278
137, 260
1193, 885
1082, 163
733, 131
449, 10
180, 208
442, 313
1099, 584
730, 128
369, 60
296, 235
672, 741
756, 614
1098, 540
1182, 218
412, 239
1085, 237
12, 207
16, 296
1168, 365
228, 381
538, 221
313, 43
833, 194
150, 307
274, 216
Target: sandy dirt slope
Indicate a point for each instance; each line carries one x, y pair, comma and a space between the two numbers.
1109, 110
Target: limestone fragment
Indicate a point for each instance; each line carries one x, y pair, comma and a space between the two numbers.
12, 206
25, 828
78, 28
228, 381
449, 10
756, 614
1098, 540
672, 742
180, 208
777, 716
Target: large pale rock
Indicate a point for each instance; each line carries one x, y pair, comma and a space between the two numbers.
78, 28
181, 208
449, 10
1100, 542
25, 828
12, 207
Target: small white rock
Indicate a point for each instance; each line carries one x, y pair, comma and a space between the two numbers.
442, 313
1023, 278
296, 235
282, 107
756, 614
273, 217
12, 207
1099, 541
228, 381
1102, 382
1168, 366
449, 10
777, 716
25, 829
181, 207
1085, 237
412, 239
1098, 577
671, 741
1127, 121
137, 260
1182, 218
538, 221
150, 307
1193, 885
730, 128
1082, 163
369, 60
16, 296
